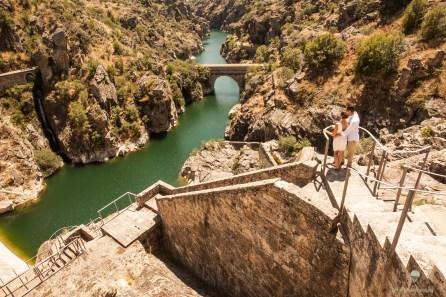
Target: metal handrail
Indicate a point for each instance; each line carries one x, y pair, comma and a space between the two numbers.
381, 146
79, 248
129, 195
407, 205
426, 172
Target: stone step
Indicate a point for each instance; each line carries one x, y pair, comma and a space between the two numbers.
384, 225
426, 250
434, 215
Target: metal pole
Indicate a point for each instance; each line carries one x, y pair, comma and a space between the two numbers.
116, 206
407, 205
327, 146
383, 169
381, 163
344, 193
369, 166
420, 173
398, 195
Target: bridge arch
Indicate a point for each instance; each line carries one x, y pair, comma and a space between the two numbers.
235, 71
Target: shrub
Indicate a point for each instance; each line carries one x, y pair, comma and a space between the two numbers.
47, 160
324, 51
292, 58
380, 53
78, 116
290, 146
413, 16
262, 54
427, 132
283, 74
434, 24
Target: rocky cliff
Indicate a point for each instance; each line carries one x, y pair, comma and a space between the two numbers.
114, 72
385, 57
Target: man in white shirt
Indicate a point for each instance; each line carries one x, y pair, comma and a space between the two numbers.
352, 133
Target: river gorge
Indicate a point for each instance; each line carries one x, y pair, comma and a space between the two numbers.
74, 194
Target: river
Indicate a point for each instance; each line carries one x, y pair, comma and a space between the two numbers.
75, 193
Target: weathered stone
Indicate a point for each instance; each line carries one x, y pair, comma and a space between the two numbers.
103, 89
155, 99
274, 232
59, 54
6, 206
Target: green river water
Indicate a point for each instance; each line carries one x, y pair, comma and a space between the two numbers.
74, 194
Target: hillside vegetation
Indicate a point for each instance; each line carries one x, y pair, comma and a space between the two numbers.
114, 72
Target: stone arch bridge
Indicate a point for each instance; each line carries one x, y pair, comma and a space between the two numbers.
235, 71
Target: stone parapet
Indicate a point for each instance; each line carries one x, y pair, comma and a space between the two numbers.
264, 238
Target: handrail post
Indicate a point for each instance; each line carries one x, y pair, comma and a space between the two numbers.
400, 189
399, 228
327, 147
344, 192
420, 173
381, 163
383, 169
369, 166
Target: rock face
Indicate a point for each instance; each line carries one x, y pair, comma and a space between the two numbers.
300, 102
103, 90
218, 159
21, 177
156, 104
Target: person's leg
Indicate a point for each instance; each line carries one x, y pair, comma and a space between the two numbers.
351, 150
341, 158
336, 161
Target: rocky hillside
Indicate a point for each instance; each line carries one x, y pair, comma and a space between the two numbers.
386, 57
114, 72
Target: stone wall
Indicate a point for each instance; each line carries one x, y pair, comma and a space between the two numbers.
297, 173
259, 239
375, 271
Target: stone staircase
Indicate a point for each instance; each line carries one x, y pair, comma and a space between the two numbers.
421, 247
367, 219
59, 258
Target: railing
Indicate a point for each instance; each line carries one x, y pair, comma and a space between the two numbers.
386, 153
378, 175
407, 205
23, 283
126, 199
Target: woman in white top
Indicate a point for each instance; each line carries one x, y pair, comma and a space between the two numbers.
340, 140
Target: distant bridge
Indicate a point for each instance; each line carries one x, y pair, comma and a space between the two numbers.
235, 71
19, 77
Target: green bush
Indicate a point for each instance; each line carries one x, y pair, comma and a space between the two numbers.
290, 146
427, 132
380, 53
323, 51
434, 24
413, 16
262, 54
47, 160
292, 58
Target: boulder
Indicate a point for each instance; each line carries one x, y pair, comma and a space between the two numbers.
417, 69
129, 21
6, 206
103, 89
59, 53
155, 100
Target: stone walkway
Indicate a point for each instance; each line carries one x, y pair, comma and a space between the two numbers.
417, 238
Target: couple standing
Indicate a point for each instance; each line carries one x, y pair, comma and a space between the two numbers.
346, 137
